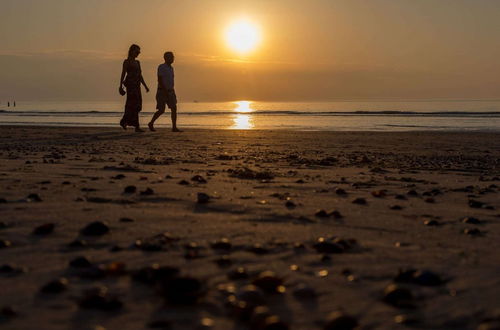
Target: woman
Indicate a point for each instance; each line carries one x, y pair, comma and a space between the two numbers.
132, 82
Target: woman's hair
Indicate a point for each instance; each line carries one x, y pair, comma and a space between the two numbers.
132, 48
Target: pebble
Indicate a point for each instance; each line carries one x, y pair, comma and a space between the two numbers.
258, 249
340, 191
116, 248
304, 291
160, 324
427, 278
400, 197
56, 286
326, 258
44, 229
7, 312
98, 298
340, 321
222, 244
126, 220
239, 273
322, 214
419, 277
360, 201
147, 192
269, 282
259, 316
379, 193
471, 220
398, 296
149, 244
154, 273
290, 204
206, 323
154, 243
5, 243
202, 198
412, 193
93, 272
80, 262
431, 222
115, 268
11, 270
130, 189
322, 273
77, 243
396, 207
251, 295
472, 232
33, 198
224, 261
273, 322
183, 290
183, 183
199, 179
96, 228
336, 214
323, 246
404, 319
476, 204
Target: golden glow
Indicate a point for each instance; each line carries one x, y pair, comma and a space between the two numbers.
243, 106
243, 36
243, 121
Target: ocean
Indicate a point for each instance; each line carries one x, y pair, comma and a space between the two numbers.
461, 115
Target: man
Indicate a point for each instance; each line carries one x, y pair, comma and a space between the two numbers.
165, 96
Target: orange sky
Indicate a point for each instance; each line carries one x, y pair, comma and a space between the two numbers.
311, 50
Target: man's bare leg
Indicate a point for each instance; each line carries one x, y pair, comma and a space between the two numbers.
173, 115
156, 115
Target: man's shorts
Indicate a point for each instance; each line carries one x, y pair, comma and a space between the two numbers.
165, 97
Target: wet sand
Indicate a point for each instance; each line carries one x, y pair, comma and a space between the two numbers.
391, 230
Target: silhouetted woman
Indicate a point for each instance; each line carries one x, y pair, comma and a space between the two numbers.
132, 82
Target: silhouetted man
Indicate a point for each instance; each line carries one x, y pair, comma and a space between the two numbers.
165, 96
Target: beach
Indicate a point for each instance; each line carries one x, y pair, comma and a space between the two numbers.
248, 229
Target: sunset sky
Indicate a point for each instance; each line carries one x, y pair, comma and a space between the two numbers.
309, 50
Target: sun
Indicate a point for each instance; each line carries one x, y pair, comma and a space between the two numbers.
243, 36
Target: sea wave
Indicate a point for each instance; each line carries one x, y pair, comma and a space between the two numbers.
44, 113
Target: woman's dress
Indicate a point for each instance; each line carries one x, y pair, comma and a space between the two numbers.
134, 97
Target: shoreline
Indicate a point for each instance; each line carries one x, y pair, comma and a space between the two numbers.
166, 127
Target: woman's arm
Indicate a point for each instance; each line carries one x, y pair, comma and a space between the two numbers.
124, 70
142, 80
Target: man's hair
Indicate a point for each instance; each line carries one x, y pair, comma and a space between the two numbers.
167, 54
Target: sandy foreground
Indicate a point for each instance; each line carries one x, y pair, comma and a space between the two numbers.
195, 230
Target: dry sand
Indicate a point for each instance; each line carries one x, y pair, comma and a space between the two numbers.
264, 189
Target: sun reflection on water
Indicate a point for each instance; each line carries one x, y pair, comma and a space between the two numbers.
243, 106
243, 121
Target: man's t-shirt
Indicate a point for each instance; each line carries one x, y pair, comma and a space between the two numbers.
166, 72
